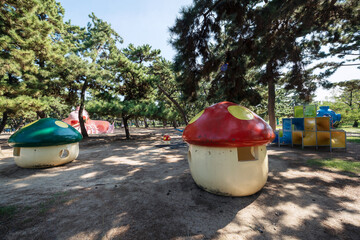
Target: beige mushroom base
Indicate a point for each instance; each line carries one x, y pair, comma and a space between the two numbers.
229, 171
43, 157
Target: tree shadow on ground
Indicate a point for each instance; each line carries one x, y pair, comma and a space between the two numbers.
135, 190
147, 195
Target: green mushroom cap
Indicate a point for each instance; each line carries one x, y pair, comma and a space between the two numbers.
45, 132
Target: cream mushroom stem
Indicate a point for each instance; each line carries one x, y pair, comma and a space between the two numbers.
42, 157
229, 171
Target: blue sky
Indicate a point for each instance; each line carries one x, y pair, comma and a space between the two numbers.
136, 21
147, 22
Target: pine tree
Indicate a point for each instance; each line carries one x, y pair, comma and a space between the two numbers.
29, 33
86, 64
126, 83
164, 81
221, 41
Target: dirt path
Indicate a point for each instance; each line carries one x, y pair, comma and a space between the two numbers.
138, 189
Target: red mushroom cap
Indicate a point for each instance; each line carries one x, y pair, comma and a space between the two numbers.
227, 124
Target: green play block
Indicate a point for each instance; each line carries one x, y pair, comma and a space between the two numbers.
299, 111
310, 111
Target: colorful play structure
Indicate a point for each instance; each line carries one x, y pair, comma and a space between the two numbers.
310, 127
92, 126
325, 111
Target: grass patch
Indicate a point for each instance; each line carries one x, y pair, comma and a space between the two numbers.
353, 139
7, 211
349, 129
57, 198
347, 166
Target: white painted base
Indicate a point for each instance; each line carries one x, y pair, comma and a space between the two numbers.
166, 142
225, 171
42, 157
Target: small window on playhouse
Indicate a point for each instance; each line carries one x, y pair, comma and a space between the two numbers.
64, 153
16, 151
247, 153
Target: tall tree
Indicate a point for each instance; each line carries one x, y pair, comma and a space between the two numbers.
224, 39
29, 36
164, 81
342, 38
132, 78
127, 82
90, 51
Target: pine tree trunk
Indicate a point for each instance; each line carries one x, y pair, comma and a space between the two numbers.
271, 103
18, 124
126, 126
137, 122
81, 108
175, 124
41, 114
3, 121
154, 123
356, 123
145, 122
177, 105
164, 122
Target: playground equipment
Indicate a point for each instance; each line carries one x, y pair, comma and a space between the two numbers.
92, 126
179, 130
227, 149
45, 143
307, 129
166, 139
325, 111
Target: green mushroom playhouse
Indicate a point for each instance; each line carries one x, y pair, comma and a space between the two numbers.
47, 142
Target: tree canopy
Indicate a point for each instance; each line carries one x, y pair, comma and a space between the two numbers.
266, 55
29, 37
222, 41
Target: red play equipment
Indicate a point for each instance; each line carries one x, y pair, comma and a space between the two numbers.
92, 126
166, 138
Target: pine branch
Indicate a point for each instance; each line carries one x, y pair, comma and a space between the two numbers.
212, 8
350, 64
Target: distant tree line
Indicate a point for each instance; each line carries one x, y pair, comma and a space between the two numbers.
48, 67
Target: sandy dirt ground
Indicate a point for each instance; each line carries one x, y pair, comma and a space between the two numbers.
141, 189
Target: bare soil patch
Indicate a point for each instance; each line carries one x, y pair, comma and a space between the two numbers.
141, 189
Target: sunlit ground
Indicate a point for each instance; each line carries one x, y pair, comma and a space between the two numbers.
141, 189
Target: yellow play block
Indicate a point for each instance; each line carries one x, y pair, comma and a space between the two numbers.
309, 138
309, 124
297, 137
323, 123
338, 139
323, 138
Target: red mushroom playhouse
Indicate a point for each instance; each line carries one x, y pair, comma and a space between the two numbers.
227, 149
